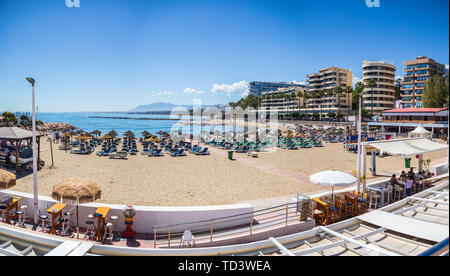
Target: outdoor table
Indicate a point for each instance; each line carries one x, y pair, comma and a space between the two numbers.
56, 212
382, 192
101, 214
12, 203
353, 199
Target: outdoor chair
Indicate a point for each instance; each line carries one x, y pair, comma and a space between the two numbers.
187, 239
374, 199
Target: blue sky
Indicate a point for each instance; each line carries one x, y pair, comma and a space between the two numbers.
112, 55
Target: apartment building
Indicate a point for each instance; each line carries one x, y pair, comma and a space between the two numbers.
381, 96
321, 90
284, 100
417, 73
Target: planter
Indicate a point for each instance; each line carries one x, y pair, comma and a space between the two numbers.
129, 233
129, 212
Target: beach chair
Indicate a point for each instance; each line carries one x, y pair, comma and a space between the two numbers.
156, 153
204, 152
119, 155
178, 153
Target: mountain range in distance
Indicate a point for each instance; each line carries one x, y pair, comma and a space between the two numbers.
162, 106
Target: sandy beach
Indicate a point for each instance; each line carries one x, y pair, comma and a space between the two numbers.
201, 180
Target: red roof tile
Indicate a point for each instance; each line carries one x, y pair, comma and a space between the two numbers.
415, 110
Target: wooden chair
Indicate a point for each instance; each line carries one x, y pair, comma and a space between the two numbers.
337, 210
361, 207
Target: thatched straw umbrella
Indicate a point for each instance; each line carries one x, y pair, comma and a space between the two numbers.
82, 137
76, 191
7, 180
106, 137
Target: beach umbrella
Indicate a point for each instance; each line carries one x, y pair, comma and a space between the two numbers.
82, 137
106, 137
7, 180
76, 191
332, 179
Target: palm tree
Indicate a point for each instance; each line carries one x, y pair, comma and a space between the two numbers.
320, 94
329, 94
338, 91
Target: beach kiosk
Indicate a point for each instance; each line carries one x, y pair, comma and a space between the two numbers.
403, 147
17, 137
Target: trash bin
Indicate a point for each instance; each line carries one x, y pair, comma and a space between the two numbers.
230, 155
407, 163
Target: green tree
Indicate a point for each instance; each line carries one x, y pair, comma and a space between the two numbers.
398, 88
435, 92
25, 121
9, 118
359, 90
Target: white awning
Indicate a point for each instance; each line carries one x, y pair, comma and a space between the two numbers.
407, 147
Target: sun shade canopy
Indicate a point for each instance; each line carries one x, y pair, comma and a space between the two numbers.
407, 147
15, 133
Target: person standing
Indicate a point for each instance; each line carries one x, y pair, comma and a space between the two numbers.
408, 186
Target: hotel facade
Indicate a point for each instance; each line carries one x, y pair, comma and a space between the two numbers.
283, 100
417, 73
381, 97
327, 80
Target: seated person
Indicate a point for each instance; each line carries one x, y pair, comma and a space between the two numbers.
392, 182
420, 176
402, 177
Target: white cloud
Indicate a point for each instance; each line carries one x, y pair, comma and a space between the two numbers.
237, 87
165, 92
356, 80
298, 82
399, 77
192, 91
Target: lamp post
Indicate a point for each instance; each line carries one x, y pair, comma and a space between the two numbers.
359, 144
35, 165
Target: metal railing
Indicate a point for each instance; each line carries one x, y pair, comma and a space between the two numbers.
226, 227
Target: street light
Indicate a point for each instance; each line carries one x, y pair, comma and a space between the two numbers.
35, 184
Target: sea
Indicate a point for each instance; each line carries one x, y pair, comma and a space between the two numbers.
89, 121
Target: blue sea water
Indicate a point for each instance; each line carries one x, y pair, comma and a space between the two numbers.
84, 122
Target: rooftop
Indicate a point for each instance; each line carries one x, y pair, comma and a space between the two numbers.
415, 110
15, 133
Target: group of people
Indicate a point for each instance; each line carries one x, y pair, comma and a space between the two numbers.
407, 179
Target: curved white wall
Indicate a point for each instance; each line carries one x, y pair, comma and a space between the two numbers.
146, 216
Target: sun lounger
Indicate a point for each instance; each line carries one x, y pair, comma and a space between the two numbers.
156, 153
178, 153
253, 154
203, 152
118, 155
